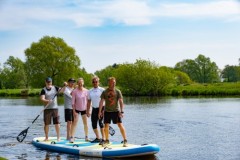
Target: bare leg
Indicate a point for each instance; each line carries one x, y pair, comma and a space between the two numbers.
69, 126
96, 133
57, 127
122, 130
46, 129
84, 119
74, 125
106, 130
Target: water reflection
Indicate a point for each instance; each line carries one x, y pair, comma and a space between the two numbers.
59, 156
145, 100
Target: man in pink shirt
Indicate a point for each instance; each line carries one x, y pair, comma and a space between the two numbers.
79, 105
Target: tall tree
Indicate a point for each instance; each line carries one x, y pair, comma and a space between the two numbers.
231, 73
200, 70
13, 74
52, 57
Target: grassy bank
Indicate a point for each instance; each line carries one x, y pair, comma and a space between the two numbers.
19, 92
215, 89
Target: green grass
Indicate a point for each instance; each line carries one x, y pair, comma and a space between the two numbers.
19, 92
215, 89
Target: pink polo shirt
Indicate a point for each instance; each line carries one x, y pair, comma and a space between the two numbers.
79, 99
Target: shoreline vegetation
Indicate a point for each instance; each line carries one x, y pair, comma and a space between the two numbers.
195, 89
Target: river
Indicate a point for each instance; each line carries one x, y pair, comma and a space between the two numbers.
184, 128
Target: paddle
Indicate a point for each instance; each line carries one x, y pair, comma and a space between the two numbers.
23, 134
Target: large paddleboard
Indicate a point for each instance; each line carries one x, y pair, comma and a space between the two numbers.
80, 147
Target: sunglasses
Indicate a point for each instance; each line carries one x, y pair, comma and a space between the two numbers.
94, 81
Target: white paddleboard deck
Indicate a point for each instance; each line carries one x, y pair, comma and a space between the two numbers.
80, 147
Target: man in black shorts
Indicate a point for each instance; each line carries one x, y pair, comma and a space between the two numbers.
113, 110
94, 95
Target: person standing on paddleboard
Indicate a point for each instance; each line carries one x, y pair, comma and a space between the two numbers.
113, 99
51, 111
68, 110
79, 105
93, 101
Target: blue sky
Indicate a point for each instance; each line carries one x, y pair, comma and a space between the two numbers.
104, 32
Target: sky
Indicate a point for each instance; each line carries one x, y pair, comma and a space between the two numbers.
104, 32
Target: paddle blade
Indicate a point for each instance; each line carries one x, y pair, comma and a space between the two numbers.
111, 131
22, 135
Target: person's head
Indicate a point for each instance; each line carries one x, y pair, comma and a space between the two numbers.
111, 82
48, 81
71, 82
95, 81
80, 82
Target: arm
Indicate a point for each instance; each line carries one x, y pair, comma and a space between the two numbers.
73, 102
100, 114
121, 107
43, 97
64, 87
44, 100
67, 92
88, 107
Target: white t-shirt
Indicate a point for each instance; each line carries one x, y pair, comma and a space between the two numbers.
94, 95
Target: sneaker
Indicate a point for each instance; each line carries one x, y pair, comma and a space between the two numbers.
101, 142
96, 140
105, 143
125, 143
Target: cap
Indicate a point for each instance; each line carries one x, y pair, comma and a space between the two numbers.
72, 80
48, 79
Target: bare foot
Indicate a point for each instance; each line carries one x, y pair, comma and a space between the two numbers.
46, 139
59, 139
71, 140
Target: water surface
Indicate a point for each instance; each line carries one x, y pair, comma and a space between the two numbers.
184, 128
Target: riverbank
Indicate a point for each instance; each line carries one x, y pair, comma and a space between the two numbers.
214, 89
195, 89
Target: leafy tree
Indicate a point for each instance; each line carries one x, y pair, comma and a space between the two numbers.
182, 78
52, 57
231, 73
13, 74
143, 78
201, 69
105, 73
86, 76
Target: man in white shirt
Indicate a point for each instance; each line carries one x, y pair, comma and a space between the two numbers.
94, 95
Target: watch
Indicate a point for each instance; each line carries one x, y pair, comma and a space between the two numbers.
122, 112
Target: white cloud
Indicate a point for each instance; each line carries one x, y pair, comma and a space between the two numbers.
97, 13
212, 9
